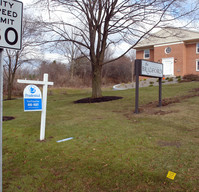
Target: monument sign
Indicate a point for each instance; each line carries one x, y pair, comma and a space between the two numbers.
148, 69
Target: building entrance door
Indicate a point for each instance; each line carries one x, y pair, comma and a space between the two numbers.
168, 66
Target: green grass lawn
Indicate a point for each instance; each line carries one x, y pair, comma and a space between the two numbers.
113, 149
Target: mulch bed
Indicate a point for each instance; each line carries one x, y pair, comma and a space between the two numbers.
8, 118
98, 100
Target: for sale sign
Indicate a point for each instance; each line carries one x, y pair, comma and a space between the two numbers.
11, 13
32, 98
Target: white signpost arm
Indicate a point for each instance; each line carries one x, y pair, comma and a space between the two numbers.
34, 82
44, 104
1, 114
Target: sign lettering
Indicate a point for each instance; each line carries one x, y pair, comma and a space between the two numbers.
10, 24
151, 69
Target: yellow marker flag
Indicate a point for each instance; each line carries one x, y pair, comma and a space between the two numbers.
171, 175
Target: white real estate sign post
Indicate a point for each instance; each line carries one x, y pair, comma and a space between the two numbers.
45, 84
11, 14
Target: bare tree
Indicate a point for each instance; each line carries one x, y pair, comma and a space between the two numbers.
119, 71
70, 51
57, 72
103, 24
15, 58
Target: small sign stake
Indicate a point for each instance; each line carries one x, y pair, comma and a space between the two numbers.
67, 139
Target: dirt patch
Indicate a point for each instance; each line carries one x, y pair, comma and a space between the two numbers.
195, 90
168, 101
8, 118
161, 112
169, 143
98, 100
150, 107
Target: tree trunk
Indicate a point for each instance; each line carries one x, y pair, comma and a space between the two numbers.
10, 85
96, 81
9, 89
72, 70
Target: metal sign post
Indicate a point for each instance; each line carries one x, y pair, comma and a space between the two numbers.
1, 114
160, 92
137, 87
148, 69
11, 14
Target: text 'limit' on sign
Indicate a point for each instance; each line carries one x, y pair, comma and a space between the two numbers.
11, 14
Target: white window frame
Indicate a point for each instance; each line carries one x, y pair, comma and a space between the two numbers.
165, 50
197, 64
147, 53
197, 48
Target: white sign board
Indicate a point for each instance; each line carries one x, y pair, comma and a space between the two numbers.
151, 69
32, 98
11, 13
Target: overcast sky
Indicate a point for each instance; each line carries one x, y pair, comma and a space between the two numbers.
55, 56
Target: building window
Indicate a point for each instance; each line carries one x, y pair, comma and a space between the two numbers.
168, 50
197, 48
146, 54
197, 65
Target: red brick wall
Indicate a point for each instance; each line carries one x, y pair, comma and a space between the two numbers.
176, 53
191, 59
140, 54
184, 57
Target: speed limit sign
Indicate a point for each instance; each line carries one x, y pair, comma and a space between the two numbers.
11, 13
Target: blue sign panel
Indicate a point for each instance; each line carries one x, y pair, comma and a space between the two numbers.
32, 98
32, 104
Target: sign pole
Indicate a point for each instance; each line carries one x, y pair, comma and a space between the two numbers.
1, 115
44, 103
137, 88
160, 92
11, 38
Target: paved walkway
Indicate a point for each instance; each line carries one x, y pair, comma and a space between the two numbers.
145, 83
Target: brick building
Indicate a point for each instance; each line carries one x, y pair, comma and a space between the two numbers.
177, 49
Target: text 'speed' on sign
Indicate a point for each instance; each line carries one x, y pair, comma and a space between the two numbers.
11, 14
